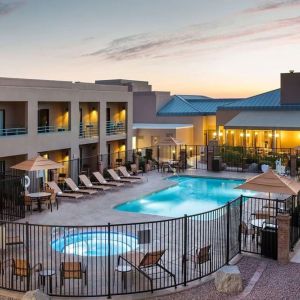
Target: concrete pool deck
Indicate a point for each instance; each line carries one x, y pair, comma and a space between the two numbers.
99, 209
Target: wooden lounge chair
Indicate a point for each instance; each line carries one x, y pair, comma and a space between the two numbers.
74, 188
53, 199
125, 174
117, 178
22, 269
100, 179
141, 262
198, 257
88, 184
72, 270
53, 185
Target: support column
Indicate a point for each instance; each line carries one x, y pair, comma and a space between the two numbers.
273, 140
293, 165
283, 238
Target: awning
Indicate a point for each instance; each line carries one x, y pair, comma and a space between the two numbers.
285, 120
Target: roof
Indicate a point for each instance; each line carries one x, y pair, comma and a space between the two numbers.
265, 101
160, 126
184, 105
265, 119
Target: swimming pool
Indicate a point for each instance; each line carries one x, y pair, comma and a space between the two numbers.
94, 243
191, 195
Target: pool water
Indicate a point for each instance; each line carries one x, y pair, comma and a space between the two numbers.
191, 195
94, 243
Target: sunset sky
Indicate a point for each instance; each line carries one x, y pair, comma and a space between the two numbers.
218, 48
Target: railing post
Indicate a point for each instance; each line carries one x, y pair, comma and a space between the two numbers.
108, 263
184, 256
240, 227
227, 233
27, 255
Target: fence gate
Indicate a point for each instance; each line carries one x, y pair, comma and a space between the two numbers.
258, 227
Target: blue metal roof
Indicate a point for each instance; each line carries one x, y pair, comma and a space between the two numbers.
182, 105
266, 101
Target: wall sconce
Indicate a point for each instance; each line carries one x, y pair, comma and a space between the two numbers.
270, 135
247, 134
256, 133
214, 134
241, 135
123, 108
232, 132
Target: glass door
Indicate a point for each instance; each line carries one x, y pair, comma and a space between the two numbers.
2, 121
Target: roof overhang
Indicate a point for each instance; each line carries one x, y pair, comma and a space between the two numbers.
284, 120
160, 126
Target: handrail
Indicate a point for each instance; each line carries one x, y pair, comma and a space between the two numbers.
13, 131
113, 128
88, 130
51, 128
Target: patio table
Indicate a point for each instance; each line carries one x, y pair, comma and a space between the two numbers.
37, 197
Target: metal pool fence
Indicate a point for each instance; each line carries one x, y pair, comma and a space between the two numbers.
116, 259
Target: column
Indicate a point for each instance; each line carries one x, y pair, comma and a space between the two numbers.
283, 238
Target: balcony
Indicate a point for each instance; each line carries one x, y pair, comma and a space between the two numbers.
13, 131
115, 128
88, 130
51, 129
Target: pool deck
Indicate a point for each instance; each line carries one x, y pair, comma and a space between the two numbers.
99, 209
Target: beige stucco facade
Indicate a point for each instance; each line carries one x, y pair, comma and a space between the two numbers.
69, 106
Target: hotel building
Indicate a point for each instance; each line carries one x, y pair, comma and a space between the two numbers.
62, 120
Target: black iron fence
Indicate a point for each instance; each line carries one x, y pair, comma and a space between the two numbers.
11, 199
117, 259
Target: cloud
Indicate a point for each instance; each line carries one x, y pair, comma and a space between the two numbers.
7, 8
189, 39
272, 5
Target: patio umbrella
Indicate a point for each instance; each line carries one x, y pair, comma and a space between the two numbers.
270, 182
37, 163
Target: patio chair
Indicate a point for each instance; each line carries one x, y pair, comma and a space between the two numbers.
72, 270
135, 170
21, 268
59, 193
246, 231
8, 240
88, 184
74, 188
28, 203
141, 262
125, 174
52, 200
117, 178
101, 180
198, 257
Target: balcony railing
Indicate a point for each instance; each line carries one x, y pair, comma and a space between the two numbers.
13, 131
88, 130
113, 128
51, 128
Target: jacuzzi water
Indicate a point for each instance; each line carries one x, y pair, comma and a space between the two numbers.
191, 195
94, 243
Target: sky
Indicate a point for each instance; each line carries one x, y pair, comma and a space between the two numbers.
218, 48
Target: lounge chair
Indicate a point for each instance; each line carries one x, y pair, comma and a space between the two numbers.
117, 178
53, 185
141, 262
198, 257
72, 270
125, 174
74, 188
21, 268
88, 184
103, 181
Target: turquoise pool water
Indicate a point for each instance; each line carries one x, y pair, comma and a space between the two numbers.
94, 243
191, 195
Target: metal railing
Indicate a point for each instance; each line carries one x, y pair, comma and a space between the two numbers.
116, 259
51, 129
113, 128
88, 130
12, 131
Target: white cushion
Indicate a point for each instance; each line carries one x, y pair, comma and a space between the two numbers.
90, 185
59, 193
77, 189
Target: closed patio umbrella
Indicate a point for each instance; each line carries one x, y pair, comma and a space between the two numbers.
270, 182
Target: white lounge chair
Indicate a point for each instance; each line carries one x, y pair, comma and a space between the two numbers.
101, 180
117, 178
88, 184
59, 193
125, 174
74, 188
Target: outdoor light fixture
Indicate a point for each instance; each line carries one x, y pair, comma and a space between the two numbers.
270, 134
241, 135
256, 133
247, 134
